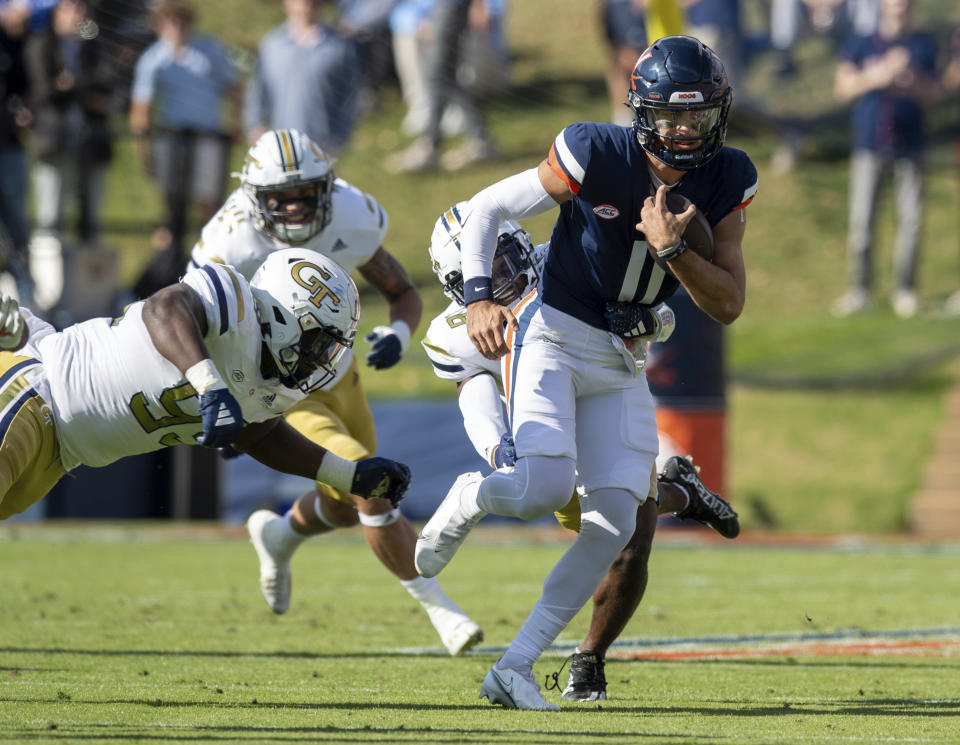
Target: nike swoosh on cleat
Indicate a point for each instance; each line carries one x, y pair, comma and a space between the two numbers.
508, 689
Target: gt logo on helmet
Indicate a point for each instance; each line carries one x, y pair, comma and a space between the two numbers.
309, 281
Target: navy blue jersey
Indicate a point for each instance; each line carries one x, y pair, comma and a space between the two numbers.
891, 120
596, 253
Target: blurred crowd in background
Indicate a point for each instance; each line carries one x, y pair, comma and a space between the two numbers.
75, 75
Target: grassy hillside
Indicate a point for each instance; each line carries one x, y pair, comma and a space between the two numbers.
830, 421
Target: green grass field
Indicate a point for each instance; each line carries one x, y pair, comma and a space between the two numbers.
132, 633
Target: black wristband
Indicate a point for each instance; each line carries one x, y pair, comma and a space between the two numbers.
477, 288
672, 252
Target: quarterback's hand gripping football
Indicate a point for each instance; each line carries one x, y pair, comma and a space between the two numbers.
11, 324
381, 478
661, 227
389, 344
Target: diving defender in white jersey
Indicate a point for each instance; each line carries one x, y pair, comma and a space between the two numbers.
578, 402
212, 360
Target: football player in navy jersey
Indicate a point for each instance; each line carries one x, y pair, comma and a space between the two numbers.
572, 351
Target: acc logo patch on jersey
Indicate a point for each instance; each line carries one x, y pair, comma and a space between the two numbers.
606, 211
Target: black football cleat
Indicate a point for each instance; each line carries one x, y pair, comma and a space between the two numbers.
705, 506
587, 680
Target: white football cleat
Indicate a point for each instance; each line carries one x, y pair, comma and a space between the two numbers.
264, 528
458, 634
447, 529
514, 691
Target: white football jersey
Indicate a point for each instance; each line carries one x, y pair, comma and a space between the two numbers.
453, 355
113, 394
357, 227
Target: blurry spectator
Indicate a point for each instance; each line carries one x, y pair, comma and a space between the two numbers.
717, 24
307, 77
626, 34
838, 18
450, 19
180, 83
366, 23
890, 77
411, 33
863, 16
70, 81
951, 84
483, 65
14, 116
125, 32
485, 59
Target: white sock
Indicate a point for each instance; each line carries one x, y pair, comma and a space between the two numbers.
422, 589
283, 539
537, 633
441, 609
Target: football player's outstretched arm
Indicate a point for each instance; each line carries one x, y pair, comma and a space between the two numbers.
385, 273
522, 195
482, 410
176, 322
277, 445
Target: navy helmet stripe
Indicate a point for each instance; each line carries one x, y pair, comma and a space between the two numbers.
221, 297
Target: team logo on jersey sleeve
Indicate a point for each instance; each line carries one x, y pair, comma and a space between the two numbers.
606, 211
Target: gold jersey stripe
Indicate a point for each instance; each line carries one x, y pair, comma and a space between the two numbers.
435, 348
236, 288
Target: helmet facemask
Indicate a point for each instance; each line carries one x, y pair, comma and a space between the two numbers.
294, 212
513, 268
311, 362
683, 136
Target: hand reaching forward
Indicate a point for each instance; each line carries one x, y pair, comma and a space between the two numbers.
222, 418
12, 327
381, 478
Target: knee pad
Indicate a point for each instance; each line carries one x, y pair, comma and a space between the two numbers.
608, 518
380, 521
547, 484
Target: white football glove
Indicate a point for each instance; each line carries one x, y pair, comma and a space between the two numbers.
11, 324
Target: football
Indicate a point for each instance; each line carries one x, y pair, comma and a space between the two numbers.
698, 235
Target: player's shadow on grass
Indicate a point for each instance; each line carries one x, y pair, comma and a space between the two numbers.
895, 707
276, 654
360, 734
834, 661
